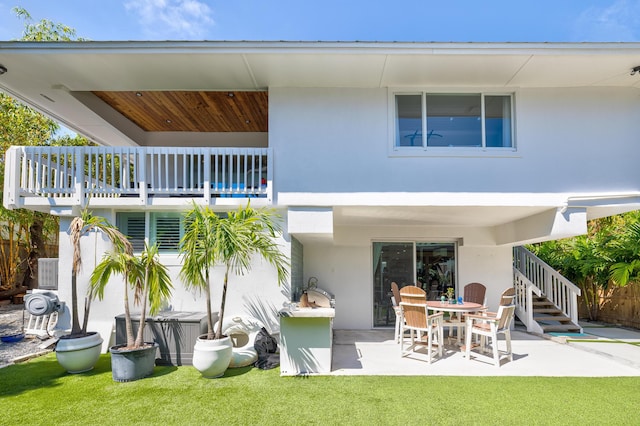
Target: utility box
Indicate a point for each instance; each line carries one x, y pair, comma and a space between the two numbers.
175, 332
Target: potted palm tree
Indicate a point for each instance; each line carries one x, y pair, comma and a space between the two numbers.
229, 240
151, 285
80, 350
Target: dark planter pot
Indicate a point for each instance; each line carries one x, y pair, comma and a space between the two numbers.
132, 364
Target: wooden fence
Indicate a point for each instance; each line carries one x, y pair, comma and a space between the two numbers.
618, 305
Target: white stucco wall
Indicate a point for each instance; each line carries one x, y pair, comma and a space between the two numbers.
491, 266
567, 140
337, 141
346, 269
255, 294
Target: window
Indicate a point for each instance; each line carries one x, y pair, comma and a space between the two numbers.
464, 120
166, 229
132, 225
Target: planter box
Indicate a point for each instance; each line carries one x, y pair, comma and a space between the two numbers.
175, 333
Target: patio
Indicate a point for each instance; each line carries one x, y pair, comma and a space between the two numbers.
601, 351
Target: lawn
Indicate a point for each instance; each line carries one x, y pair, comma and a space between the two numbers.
40, 392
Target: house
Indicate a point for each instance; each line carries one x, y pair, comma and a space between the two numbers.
409, 162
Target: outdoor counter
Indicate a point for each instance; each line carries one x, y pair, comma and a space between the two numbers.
306, 340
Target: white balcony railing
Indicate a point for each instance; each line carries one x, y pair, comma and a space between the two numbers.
69, 176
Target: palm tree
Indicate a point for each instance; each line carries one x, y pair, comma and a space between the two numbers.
81, 226
148, 278
627, 252
231, 241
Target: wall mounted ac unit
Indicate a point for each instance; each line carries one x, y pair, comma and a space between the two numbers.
48, 273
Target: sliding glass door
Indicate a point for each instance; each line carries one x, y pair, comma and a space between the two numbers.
430, 265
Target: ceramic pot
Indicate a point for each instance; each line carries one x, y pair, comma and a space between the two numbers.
132, 364
212, 357
79, 354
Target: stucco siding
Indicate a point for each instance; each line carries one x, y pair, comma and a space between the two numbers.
567, 140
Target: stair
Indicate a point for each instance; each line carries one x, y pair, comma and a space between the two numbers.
550, 318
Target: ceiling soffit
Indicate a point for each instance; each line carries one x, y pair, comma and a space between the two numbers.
192, 111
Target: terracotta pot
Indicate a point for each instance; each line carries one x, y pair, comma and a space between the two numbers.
132, 364
212, 357
79, 354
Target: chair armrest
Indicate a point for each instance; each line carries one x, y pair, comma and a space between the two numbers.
437, 318
481, 317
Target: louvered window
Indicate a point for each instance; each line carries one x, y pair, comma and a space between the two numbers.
166, 230
132, 225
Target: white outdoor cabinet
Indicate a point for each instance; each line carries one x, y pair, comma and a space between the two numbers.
306, 341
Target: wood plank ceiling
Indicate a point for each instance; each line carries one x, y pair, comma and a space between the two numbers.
192, 111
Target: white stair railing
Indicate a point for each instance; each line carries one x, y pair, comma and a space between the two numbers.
525, 290
532, 272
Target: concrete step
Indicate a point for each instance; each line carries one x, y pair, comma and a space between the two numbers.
558, 318
569, 328
547, 311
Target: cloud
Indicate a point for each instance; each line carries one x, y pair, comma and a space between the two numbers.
172, 19
619, 21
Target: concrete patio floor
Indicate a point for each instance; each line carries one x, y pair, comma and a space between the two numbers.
601, 351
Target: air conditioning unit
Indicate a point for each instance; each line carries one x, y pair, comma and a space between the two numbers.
48, 273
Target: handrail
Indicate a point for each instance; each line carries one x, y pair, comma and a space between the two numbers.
524, 301
555, 287
74, 175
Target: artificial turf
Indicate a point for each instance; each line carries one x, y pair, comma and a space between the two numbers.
41, 392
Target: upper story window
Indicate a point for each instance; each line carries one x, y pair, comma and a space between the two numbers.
459, 120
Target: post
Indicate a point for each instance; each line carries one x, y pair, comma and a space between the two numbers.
79, 177
141, 158
269, 175
12, 163
206, 175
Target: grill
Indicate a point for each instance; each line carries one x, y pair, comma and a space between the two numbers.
321, 297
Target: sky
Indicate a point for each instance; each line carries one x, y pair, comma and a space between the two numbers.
336, 20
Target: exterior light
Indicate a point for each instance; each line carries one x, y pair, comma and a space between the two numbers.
635, 70
3, 69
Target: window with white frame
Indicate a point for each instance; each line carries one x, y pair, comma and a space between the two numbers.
165, 229
453, 120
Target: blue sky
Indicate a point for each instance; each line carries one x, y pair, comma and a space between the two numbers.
331, 20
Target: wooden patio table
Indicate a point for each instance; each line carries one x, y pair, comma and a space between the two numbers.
455, 313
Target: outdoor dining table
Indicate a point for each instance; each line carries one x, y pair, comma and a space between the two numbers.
455, 312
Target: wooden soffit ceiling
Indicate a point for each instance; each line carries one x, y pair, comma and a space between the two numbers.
192, 111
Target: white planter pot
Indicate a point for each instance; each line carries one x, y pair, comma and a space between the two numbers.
212, 357
79, 354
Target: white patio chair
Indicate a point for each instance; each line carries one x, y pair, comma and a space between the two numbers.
417, 320
488, 325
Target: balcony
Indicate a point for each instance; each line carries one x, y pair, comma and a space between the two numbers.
46, 178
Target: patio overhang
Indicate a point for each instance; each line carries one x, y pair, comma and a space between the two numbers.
472, 219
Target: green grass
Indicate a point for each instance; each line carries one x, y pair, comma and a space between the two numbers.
40, 392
